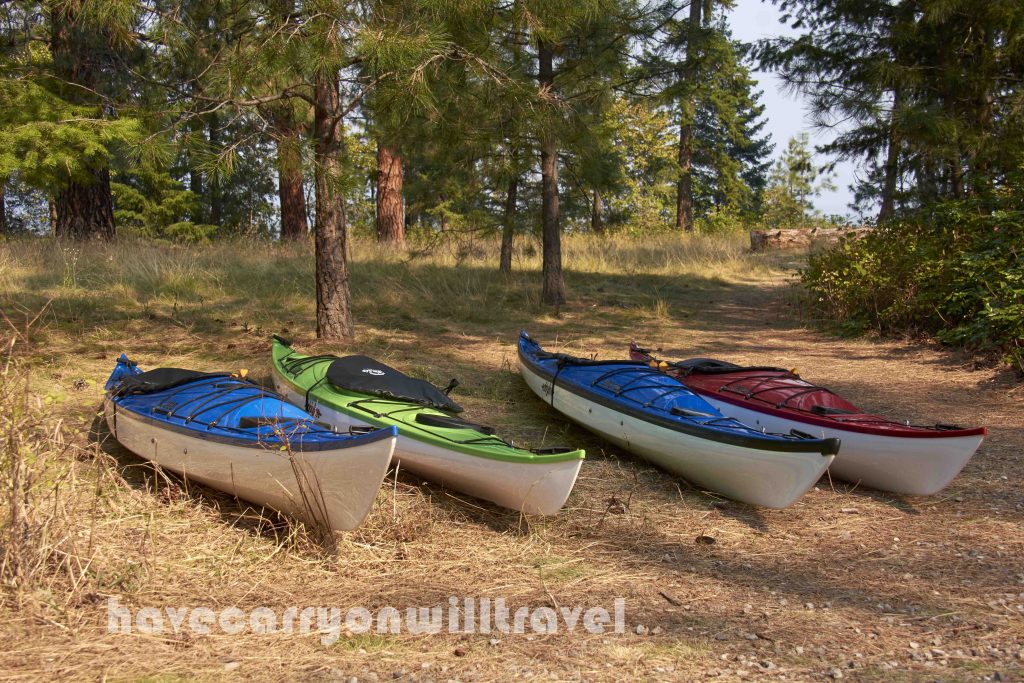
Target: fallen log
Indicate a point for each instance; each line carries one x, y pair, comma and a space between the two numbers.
800, 238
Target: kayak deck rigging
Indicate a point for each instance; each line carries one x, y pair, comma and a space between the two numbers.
789, 388
484, 440
190, 410
637, 373
296, 366
805, 388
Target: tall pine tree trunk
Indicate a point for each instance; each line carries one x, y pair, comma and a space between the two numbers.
508, 225
687, 112
597, 214
390, 208
948, 62
195, 127
956, 175
892, 158
553, 292
333, 301
442, 217
214, 189
3, 205
290, 186
84, 208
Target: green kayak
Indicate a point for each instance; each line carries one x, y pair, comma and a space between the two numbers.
433, 442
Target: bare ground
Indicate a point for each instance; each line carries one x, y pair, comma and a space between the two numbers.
847, 583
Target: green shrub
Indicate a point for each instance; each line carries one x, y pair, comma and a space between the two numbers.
955, 271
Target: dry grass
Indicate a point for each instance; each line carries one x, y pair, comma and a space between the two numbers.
846, 580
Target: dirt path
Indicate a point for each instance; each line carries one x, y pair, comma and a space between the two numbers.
848, 583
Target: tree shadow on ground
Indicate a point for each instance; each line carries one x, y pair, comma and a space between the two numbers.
803, 579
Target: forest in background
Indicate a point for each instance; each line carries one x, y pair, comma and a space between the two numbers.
193, 120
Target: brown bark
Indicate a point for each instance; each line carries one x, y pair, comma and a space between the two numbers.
214, 189
3, 206
84, 206
956, 176
195, 176
553, 292
508, 226
443, 216
390, 207
597, 214
333, 301
891, 163
195, 186
949, 103
290, 187
687, 111
85, 210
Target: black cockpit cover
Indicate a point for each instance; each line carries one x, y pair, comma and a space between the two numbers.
158, 379
368, 376
712, 366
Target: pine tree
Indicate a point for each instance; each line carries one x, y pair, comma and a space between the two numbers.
64, 66
3, 206
289, 120
581, 49
328, 39
696, 68
691, 72
290, 180
929, 92
793, 183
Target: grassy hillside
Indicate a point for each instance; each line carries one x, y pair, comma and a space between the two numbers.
847, 583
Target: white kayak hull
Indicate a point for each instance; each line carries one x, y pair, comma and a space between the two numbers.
532, 488
915, 466
334, 488
759, 477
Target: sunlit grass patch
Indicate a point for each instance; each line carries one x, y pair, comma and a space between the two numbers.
560, 569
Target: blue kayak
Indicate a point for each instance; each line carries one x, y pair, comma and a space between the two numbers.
233, 435
659, 418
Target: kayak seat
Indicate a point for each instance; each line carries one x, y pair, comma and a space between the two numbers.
448, 422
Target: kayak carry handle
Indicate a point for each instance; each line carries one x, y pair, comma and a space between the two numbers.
819, 409
552, 450
686, 412
358, 430
829, 446
281, 340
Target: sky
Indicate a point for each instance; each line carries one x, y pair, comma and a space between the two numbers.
786, 114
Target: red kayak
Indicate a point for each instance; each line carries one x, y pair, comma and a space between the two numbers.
877, 452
